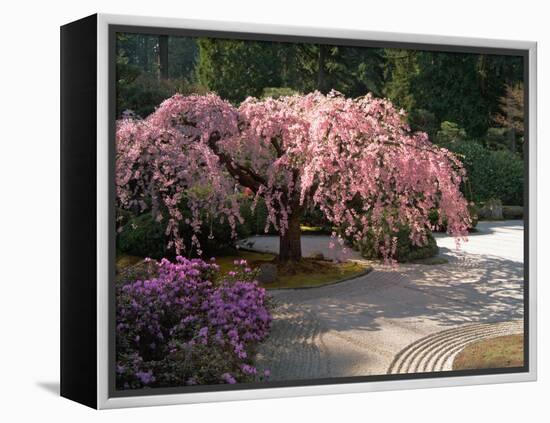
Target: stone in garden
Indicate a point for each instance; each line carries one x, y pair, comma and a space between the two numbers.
317, 255
492, 209
268, 273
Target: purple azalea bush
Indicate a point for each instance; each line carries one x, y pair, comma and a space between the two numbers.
186, 325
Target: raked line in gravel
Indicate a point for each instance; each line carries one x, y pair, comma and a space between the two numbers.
358, 327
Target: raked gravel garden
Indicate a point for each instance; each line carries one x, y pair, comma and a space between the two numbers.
398, 319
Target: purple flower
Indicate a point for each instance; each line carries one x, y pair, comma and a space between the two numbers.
228, 378
174, 311
249, 370
145, 377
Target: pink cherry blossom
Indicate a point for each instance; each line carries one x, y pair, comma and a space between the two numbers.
355, 159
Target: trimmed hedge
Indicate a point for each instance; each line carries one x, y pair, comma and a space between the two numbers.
512, 212
491, 174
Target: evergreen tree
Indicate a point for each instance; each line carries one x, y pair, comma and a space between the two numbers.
400, 69
236, 69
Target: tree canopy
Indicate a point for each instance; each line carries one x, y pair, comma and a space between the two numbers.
355, 159
433, 87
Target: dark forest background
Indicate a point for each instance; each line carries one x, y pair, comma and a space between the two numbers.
469, 103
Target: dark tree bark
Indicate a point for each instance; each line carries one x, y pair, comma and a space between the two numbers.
145, 52
512, 139
290, 247
321, 77
163, 57
290, 244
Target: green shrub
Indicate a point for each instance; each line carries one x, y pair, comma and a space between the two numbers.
406, 251
423, 120
491, 174
142, 93
276, 92
497, 138
142, 236
450, 133
507, 177
512, 212
315, 218
254, 221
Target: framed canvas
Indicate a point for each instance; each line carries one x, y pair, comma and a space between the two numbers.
254, 211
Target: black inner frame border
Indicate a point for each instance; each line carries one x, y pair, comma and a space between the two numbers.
113, 29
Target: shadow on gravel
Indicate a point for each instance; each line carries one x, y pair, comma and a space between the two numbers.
387, 309
469, 289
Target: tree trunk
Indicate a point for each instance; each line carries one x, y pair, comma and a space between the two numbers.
512, 138
290, 244
163, 57
145, 51
321, 77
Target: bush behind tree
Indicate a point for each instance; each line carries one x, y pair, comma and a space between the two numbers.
491, 174
405, 251
143, 92
143, 236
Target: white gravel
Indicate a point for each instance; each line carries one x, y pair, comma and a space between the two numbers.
357, 327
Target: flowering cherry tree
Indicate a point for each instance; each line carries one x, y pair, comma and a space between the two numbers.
354, 159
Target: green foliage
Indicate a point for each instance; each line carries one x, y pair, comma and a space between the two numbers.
491, 174
142, 236
401, 67
142, 52
457, 87
406, 251
463, 88
254, 221
183, 56
143, 93
276, 92
512, 212
448, 84
432, 87
236, 69
316, 219
497, 138
423, 120
450, 132
139, 86
353, 72
454, 97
